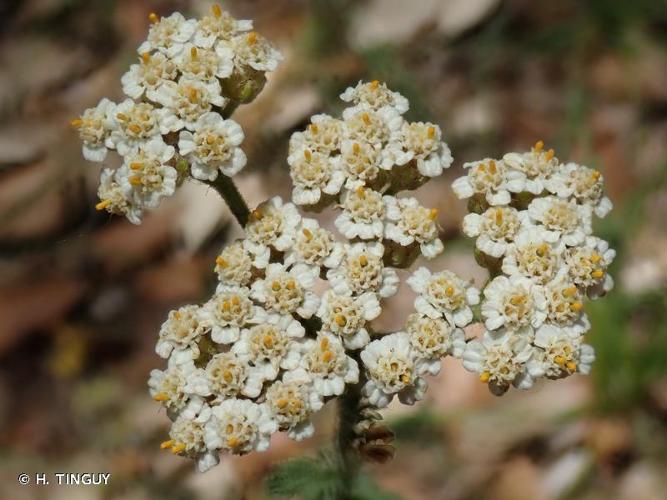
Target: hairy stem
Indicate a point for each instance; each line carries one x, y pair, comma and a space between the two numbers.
348, 408
228, 190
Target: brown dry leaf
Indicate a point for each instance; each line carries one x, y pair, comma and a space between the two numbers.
27, 306
609, 437
121, 245
518, 479
29, 204
174, 281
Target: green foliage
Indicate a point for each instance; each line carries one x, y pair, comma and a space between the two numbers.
629, 332
630, 339
305, 478
320, 479
418, 427
324, 32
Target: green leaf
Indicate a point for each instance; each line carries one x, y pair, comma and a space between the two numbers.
320, 479
304, 478
365, 488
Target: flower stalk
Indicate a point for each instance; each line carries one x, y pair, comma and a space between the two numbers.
227, 189
348, 409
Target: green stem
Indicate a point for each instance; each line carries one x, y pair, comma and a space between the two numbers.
348, 408
228, 190
229, 109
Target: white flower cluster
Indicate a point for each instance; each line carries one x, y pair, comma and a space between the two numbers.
248, 363
532, 220
190, 76
355, 161
266, 352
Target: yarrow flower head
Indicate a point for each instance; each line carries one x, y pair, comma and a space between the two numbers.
189, 76
444, 294
371, 147
273, 343
392, 369
532, 220
292, 322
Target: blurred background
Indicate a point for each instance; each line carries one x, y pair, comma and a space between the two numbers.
82, 294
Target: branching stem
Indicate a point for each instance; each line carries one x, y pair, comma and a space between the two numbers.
228, 190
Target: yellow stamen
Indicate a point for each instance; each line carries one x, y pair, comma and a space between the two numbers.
597, 274
499, 216
221, 262
252, 38
405, 378
145, 57
576, 306
233, 442
76, 122
356, 148
177, 314
166, 444
256, 214
550, 154
313, 128
559, 360
595, 258
539, 145
307, 155
134, 128
228, 376
180, 447
485, 377
363, 260
161, 396
307, 233
295, 405
281, 403
121, 116
135, 180
572, 366
431, 132
492, 166
226, 306
542, 249
275, 286
153, 17
360, 191
327, 356
103, 204
366, 118
217, 11
193, 52
433, 214
569, 291
449, 291
235, 300
518, 300
268, 341
193, 94
136, 165
291, 285
374, 84
596, 175
340, 320
324, 344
